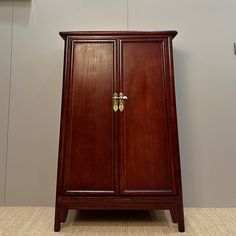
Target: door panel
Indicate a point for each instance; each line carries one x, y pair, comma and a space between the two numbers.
91, 166
144, 144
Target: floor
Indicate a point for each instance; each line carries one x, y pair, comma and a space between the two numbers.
32, 221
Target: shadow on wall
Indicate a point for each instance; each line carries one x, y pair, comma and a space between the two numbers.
185, 124
4, 18
25, 8
24, 5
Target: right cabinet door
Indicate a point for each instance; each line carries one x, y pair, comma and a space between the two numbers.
146, 153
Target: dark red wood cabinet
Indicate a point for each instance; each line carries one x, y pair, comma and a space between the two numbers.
118, 137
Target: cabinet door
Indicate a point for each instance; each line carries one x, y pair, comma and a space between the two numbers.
145, 132
90, 151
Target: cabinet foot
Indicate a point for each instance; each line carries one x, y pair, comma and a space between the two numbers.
173, 213
181, 227
180, 212
64, 213
57, 222
57, 226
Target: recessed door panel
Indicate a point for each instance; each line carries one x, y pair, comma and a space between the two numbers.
144, 143
91, 156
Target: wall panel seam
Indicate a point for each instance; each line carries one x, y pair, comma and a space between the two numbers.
9, 102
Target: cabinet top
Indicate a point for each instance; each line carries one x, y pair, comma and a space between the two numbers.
171, 33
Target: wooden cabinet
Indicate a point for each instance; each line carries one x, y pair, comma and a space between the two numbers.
118, 137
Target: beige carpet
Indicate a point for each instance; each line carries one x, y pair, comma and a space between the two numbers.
34, 221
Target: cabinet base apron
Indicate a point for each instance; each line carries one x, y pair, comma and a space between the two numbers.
174, 204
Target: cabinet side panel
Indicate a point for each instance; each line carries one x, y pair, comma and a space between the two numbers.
89, 158
146, 164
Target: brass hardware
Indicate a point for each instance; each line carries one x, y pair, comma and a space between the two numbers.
121, 96
115, 102
119, 100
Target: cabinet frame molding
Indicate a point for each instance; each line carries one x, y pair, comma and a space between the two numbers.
72, 41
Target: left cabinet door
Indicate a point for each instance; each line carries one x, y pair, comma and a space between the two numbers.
89, 157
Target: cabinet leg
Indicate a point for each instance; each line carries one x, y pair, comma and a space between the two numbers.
57, 222
173, 213
180, 212
64, 213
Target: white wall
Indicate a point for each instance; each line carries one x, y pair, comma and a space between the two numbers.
205, 87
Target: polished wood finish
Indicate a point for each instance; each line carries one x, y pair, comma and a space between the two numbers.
118, 160
146, 163
89, 167
109, 34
